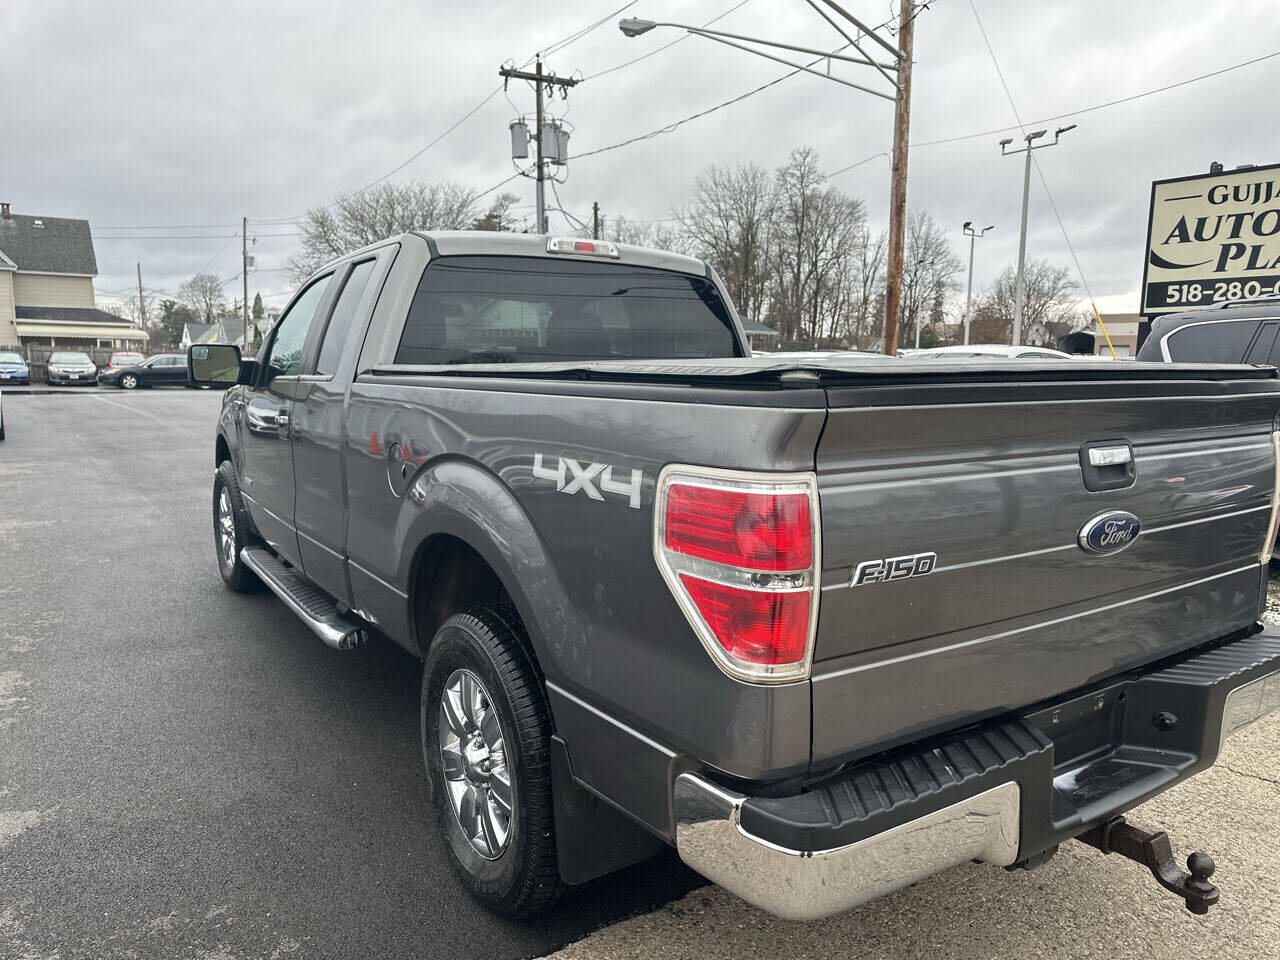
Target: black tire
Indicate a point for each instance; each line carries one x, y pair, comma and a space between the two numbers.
235, 574
490, 643
129, 381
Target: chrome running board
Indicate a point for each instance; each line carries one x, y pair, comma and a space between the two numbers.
317, 609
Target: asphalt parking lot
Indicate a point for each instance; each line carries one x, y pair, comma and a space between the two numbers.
185, 772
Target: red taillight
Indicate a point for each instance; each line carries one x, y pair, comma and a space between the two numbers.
760, 531
768, 627
740, 553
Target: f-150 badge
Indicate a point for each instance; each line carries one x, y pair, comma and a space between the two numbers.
893, 568
593, 479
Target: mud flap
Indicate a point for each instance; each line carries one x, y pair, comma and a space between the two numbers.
592, 837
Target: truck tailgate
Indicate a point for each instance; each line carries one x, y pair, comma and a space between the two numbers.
989, 478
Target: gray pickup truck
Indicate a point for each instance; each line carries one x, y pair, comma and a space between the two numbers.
827, 627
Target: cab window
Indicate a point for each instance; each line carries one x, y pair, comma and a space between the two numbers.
343, 316
284, 358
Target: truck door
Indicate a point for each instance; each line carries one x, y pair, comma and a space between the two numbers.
319, 489
265, 440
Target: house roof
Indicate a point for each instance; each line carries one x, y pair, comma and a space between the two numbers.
197, 332
69, 315
232, 329
48, 244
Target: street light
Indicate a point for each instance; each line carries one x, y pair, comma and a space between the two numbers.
968, 297
634, 26
1020, 293
896, 71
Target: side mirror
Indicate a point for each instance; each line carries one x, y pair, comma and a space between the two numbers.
213, 365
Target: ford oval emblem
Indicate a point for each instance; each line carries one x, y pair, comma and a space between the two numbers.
1109, 532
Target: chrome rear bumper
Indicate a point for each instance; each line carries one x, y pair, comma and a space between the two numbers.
1001, 794
800, 885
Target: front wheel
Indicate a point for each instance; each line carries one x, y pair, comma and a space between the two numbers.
128, 381
486, 736
231, 530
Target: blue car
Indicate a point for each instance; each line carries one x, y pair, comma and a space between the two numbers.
13, 369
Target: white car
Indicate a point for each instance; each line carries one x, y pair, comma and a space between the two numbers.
814, 354
1001, 350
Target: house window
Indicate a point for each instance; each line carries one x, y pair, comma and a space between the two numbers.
103, 343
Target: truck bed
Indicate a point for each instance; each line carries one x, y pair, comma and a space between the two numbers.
980, 464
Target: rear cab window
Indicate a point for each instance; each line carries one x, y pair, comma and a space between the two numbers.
495, 309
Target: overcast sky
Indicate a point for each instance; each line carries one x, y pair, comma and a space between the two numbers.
183, 117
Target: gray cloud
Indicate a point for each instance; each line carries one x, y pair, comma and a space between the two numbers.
151, 113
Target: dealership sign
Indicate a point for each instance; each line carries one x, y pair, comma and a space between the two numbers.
1212, 239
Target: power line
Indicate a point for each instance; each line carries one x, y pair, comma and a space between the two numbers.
575, 37
665, 46
1043, 181
216, 255
1064, 116
174, 226
198, 236
671, 127
1102, 106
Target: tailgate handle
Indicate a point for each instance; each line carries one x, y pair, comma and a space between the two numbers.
1107, 465
1109, 456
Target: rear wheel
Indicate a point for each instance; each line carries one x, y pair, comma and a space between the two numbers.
128, 381
486, 743
231, 530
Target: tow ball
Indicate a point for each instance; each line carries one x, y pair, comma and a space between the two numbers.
1154, 851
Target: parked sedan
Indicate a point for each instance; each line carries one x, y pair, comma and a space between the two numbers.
125, 358
164, 369
73, 368
13, 369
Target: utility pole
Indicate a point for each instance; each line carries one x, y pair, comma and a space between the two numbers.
539, 81
968, 297
898, 184
595, 219
897, 73
142, 304
244, 275
1020, 293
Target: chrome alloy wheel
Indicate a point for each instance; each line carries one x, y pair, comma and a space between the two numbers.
474, 760
226, 530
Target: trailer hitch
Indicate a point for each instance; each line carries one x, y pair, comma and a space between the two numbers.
1154, 851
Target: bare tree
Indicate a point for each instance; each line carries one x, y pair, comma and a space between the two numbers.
203, 293
383, 211
815, 234
863, 323
498, 216
145, 314
728, 224
659, 235
1049, 297
928, 277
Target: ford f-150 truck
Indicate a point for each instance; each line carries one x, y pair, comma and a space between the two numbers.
827, 627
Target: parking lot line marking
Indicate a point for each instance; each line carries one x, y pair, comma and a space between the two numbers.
125, 406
